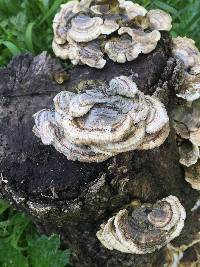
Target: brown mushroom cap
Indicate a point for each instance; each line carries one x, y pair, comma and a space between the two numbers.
187, 126
192, 175
147, 229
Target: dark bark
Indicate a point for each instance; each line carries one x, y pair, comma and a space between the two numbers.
73, 198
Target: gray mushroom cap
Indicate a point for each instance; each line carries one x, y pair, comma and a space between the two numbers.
85, 29
122, 49
147, 40
159, 20
133, 10
187, 126
186, 51
103, 121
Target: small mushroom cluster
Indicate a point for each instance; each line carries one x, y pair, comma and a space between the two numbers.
185, 50
187, 115
187, 126
85, 30
103, 120
185, 256
192, 175
147, 229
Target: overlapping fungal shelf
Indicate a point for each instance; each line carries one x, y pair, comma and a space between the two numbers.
185, 50
86, 31
187, 114
147, 229
102, 121
187, 126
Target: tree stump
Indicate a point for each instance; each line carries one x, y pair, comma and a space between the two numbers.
74, 198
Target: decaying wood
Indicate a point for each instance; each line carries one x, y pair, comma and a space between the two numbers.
73, 198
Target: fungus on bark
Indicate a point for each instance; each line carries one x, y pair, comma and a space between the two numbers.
186, 51
147, 229
102, 121
192, 176
79, 23
159, 20
187, 126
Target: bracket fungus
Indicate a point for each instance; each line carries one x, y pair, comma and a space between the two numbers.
184, 256
185, 50
102, 121
187, 126
148, 228
192, 176
79, 23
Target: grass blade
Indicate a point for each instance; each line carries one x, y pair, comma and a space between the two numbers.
166, 7
29, 36
12, 48
51, 11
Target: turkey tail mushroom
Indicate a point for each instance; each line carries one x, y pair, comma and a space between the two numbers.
192, 176
79, 23
187, 126
185, 50
147, 229
102, 121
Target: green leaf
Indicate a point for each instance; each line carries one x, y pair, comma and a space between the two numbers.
44, 252
3, 206
12, 48
11, 257
163, 5
29, 36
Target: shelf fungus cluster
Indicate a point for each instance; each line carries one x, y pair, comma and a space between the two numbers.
186, 254
187, 126
102, 121
192, 175
185, 50
86, 31
147, 229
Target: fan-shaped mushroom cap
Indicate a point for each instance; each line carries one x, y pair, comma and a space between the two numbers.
155, 140
85, 29
61, 51
186, 51
189, 154
133, 10
147, 229
60, 26
122, 49
89, 54
104, 120
147, 41
190, 90
48, 130
192, 176
187, 122
159, 20
109, 26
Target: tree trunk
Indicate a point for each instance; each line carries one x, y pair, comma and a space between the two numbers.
74, 198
